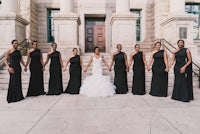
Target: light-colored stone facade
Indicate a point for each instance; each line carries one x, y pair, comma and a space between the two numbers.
155, 21
12, 25
29, 11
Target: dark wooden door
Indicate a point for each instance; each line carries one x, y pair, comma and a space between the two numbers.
89, 39
99, 37
94, 34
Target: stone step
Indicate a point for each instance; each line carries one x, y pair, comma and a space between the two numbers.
25, 80
4, 86
5, 74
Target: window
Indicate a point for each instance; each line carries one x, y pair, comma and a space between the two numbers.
138, 24
50, 24
183, 32
194, 9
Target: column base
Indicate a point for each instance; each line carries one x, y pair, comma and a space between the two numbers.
123, 29
12, 26
66, 32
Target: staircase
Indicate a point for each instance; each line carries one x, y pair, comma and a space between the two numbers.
4, 75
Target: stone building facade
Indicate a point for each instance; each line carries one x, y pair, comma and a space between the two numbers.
104, 23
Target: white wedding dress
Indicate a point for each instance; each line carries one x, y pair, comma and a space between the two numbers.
97, 85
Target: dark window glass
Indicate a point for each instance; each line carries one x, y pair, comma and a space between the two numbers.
138, 24
50, 24
193, 8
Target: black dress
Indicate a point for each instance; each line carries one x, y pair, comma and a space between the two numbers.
55, 80
120, 80
159, 83
15, 84
183, 87
138, 84
75, 70
36, 84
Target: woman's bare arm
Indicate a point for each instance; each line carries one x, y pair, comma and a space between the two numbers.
89, 63
104, 61
131, 59
166, 61
10, 69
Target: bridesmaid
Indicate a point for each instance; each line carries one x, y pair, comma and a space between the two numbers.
183, 86
121, 69
14, 68
159, 83
55, 70
75, 70
138, 84
36, 84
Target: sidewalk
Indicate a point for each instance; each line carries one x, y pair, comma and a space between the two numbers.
121, 114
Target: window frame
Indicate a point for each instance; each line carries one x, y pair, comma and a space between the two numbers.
195, 13
139, 20
50, 25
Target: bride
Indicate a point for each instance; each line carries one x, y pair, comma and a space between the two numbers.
97, 84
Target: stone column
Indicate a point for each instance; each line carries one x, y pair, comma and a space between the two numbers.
66, 6
66, 25
9, 5
177, 7
14, 24
123, 24
122, 6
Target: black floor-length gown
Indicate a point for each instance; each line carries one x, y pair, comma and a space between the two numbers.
183, 87
138, 84
15, 84
55, 80
190, 81
75, 70
120, 80
36, 84
159, 83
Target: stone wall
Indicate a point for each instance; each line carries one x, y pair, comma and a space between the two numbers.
43, 5
148, 23
42, 24
95, 4
28, 10
33, 21
160, 13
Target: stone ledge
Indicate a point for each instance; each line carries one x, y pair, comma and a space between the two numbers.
13, 16
67, 16
123, 16
186, 17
